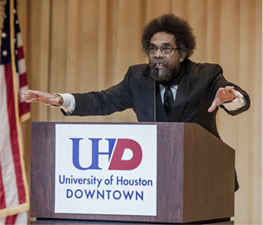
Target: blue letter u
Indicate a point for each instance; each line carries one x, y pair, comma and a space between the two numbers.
75, 157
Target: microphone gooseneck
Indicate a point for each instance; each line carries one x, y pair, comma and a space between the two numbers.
155, 74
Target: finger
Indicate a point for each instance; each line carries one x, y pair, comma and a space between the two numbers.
239, 98
26, 96
37, 96
237, 95
212, 107
34, 93
229, 88
37, 93
29, 96
31, 100
29, 91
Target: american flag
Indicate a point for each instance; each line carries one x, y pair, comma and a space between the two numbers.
14, 199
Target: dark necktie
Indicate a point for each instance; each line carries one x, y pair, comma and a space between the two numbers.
168, 101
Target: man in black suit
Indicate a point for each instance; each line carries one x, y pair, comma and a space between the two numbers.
171, 88
185, 91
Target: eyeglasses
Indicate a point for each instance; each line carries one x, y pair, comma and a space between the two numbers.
164, 49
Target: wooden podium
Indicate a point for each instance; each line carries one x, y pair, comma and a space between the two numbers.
195, 178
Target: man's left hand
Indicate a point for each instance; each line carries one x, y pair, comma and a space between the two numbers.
223, 95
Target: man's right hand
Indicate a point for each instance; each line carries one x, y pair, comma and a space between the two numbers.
44, 97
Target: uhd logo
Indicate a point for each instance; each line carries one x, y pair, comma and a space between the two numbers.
106, 169
116, 148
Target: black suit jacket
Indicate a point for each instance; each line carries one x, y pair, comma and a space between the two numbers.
195, 94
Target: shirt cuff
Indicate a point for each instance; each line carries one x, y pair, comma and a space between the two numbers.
235, 104
69, 103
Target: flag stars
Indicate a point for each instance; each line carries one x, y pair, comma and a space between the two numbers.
4, 53
4, 35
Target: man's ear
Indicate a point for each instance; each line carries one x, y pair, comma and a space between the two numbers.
182, 56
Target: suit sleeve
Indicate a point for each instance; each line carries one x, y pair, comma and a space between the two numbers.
106, 102
217, 81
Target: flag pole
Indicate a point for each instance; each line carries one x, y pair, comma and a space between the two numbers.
15, 88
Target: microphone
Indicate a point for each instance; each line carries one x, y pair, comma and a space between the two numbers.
155, 74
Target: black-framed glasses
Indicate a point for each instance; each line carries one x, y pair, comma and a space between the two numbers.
164, 49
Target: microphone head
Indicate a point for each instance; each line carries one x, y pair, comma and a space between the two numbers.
155, 72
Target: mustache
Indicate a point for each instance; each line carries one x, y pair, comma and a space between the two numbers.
159, 61
154, 62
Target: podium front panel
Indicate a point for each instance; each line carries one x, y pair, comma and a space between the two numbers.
174, 177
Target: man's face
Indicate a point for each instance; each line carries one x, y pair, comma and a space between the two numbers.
168, 61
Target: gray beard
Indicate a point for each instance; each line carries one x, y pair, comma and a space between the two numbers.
165, 74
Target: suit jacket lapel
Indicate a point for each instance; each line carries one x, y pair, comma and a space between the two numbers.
147, 85
181, 97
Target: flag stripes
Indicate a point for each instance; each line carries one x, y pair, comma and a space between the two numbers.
14, 201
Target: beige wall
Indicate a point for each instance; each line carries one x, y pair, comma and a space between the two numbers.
84, 45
